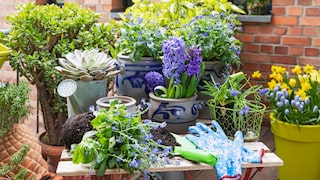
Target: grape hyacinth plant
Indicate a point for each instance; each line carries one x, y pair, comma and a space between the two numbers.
121, 140
182, 67
294, 97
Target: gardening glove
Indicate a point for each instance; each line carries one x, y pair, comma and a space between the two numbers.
252, 156
229, 164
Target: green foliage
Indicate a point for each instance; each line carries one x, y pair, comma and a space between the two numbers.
42, 34
119, 140
236, 93
13, 107
13, 165
215, 35
141, 38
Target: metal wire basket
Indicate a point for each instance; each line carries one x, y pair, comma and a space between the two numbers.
231, 121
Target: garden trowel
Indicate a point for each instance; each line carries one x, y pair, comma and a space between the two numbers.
189, 151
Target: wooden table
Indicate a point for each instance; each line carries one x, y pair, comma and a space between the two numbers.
67, 168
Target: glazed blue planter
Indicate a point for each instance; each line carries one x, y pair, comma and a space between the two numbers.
179, 114
131, 82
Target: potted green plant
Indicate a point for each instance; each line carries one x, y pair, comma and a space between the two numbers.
295, 119
18, 144
89, 71
120, 140
236, 105
139, 48
175, 102
39, 36
256, 7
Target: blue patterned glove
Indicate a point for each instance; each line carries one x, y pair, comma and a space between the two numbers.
252, 156
229, 164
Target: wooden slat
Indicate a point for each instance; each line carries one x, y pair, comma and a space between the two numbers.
67, 168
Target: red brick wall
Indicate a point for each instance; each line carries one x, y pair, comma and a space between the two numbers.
292, 37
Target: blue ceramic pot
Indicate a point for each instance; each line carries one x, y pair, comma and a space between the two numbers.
179, 114
131, 82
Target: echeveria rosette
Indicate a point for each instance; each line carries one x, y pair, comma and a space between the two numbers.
182, 67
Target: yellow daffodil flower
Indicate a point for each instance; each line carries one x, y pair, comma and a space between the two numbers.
256, 74
302, 94
308, 69
272, 84
292, 82
296, 70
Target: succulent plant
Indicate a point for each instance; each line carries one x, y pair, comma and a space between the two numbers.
87, 65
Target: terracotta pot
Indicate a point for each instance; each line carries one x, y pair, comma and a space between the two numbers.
50, 153
13, 141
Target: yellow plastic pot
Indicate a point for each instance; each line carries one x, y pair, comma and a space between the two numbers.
4, 53
299, 148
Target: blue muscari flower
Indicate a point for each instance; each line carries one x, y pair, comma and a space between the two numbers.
264, 91
286, 102
279, 103
307, 100
135, 146
315, 108
134, 164
153, 79
234, 92
286, 111
145, 149
140, 20
271, 94
155, 150
300, 108
245, 110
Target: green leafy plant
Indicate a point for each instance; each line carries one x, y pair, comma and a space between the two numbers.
39, 36
120, 140
294, 97
13, 166
13, 107
173, 14
140, 38
215, 35
236, 104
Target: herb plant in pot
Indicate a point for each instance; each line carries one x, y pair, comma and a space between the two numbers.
139, 47
175, 103
236, 105
295, 120
19, 149
39, 36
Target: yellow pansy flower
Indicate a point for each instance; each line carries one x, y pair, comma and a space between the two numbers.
296, 70
308, 69
256, 74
